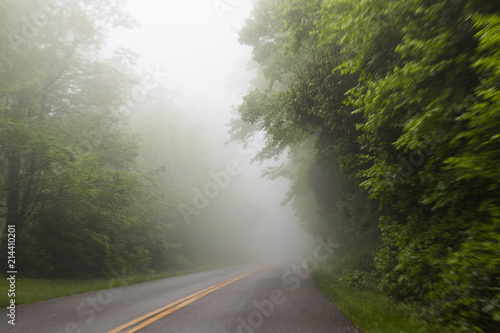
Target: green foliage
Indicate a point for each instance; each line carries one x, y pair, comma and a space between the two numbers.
401, 98
303, 112
86, 198
370, 310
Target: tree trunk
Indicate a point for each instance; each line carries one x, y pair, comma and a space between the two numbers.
13, 192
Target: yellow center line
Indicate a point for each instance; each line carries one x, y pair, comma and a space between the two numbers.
121, 328
163, 311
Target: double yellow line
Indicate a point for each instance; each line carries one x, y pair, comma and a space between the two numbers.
151, 317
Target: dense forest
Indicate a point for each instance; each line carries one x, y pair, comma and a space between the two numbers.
98, 165
389, 112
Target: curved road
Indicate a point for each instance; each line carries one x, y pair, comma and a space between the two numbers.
241, 299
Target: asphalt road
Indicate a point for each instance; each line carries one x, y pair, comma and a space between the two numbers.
253, 297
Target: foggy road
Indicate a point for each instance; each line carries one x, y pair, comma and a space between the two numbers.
146, 137
245, 298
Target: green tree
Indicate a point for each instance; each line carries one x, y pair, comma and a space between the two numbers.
68, 184
422, 85
304, 111
400, 97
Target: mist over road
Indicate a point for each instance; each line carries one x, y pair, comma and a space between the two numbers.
253, 297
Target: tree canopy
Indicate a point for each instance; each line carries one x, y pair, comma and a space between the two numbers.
389, 111
92, 189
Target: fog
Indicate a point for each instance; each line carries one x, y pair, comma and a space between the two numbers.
193, 47
134, 135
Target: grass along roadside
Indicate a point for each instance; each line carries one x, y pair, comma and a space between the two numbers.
34, 290
371, 311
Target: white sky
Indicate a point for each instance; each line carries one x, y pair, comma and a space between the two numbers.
191, 40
